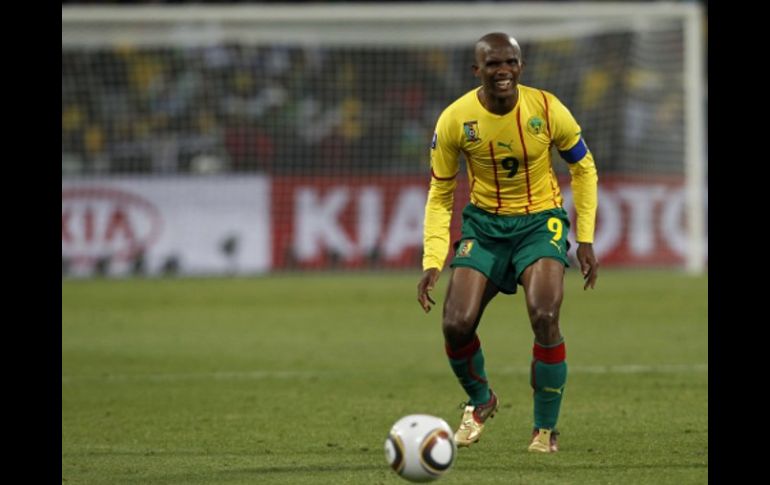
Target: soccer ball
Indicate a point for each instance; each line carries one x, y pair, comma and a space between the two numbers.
420, 447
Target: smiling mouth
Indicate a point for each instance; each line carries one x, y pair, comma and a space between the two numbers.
504, 84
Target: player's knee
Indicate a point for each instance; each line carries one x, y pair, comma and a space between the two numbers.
458, 327
544, 319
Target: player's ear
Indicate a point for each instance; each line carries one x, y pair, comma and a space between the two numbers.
475, 70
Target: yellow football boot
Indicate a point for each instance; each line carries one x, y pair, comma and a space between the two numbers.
473, 420
544, 441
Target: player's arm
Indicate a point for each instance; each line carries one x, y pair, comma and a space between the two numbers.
584, 182
438, 208
584, 193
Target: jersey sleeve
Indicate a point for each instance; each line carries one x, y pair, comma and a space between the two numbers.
444, 166
572, 147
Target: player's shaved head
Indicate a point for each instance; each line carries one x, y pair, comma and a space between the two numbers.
494, 39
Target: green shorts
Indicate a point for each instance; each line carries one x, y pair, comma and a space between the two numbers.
501, 247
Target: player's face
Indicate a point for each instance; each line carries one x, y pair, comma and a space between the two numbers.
499, 68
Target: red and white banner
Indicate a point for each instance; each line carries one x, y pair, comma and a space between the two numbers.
357, 222
641, 221
350, 222
253, 224
153, 225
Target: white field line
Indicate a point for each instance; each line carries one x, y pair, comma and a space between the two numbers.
264, 375
622, 369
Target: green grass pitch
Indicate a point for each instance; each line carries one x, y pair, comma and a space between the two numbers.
297, 379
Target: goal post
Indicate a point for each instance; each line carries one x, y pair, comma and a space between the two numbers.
311, 92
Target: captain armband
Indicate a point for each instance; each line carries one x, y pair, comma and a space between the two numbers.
576, 153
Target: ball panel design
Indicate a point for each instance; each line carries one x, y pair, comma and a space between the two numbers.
437, 452
394, 449
420, 447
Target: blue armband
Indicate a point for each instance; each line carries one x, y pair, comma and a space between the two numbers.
576, 153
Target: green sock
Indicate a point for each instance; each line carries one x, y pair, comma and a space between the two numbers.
467, 363
548, 376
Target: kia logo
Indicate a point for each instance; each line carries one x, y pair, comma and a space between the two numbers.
100, 222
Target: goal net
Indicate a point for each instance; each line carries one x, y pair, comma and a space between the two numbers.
240, 139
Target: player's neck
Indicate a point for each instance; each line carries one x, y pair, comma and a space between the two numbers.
498, 106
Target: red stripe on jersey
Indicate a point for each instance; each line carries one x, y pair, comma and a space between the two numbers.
547, 119
548, 129
494, 171
433, 174
526, 160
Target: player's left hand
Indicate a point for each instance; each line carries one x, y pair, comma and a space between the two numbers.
426, 284
589, 266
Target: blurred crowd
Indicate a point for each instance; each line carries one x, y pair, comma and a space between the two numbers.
265, 108
291, 109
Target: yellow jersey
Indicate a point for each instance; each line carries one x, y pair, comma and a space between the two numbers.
508, 160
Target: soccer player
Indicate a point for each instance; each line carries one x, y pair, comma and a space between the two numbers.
514, 231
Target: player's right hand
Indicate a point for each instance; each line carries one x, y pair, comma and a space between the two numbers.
426, 284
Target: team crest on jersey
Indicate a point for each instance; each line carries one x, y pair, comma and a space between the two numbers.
465, 248
471, 129
535, 125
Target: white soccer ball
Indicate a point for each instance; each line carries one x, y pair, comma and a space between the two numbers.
420, 447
